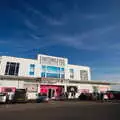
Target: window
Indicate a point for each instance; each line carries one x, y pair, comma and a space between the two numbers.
43, 68
84, 75
8, 90
62, 75
71, 73
12, 68
62, 70
32, 69
31, 73
71, 70
52, 75
43, 74
53, 69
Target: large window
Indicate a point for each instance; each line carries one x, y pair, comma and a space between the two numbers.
84, 75
53, 75
52, 72
12, 68
53, 69
32, 69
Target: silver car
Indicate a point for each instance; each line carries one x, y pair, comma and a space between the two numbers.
3, 97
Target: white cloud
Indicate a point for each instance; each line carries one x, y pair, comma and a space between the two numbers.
89, 40
38, 14
30, 25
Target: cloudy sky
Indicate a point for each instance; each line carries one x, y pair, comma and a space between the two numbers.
85, 31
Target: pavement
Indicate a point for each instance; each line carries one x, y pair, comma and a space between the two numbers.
61, 110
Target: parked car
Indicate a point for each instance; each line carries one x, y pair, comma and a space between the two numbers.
20, 96
113, 95
3, 97
42, 98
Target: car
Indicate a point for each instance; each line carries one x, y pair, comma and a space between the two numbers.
20, 96
113, 95
3, 97
42, 98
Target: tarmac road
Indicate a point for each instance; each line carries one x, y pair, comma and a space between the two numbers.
61, 111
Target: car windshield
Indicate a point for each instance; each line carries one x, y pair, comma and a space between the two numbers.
2, 94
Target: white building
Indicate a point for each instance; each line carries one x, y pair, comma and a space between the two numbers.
47, 74
44, 63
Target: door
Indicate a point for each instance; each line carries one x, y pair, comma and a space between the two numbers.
51, 93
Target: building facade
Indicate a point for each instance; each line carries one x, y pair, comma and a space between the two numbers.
44, 66
47, 74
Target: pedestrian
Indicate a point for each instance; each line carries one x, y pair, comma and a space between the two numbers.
105, 97
66, 95
111, 96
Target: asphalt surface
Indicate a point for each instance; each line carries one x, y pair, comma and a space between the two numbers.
61, 111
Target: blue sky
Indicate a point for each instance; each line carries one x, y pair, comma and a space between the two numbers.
85, 31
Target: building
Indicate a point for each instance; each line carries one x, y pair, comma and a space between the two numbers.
47, 74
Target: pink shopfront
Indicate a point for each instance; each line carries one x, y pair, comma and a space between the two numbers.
52, 91
7, 89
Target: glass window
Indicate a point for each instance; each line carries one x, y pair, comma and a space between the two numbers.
32, 69
71, 70
17, 69
43, 68
83, 75
72, 76
32, 65
31, 73
71, 73
7, 90
12, 68
62, 69
43, 74
52, 75
7, 68
53, 69
62, 75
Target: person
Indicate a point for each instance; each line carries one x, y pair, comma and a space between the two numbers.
11, 96
111, 96
66, 95
101, 96
105, 97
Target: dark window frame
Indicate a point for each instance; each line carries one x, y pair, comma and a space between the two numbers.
12, 68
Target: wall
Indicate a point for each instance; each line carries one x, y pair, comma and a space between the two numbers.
32, 84
77, 72
57, 62
24, 66
12, 83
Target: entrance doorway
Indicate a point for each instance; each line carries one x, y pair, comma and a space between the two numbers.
51, 93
